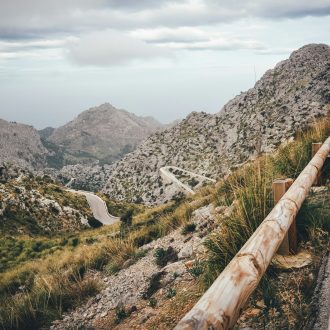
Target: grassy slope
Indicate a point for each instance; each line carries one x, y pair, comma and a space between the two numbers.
286, 302
38, 291
250, 187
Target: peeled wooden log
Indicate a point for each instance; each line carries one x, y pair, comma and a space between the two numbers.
315, 149
221, 305
289, 243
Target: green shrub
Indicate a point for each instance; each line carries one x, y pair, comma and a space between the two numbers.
126, 222
63, 242
40, 246
197, 269
90, 240
188, 228
127, 218
193, 182
74, 241
162, 256
170, 293
94, 223
111, 268
152, 302
121, 314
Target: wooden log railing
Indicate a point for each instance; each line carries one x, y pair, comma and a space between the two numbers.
289, 243
222, 303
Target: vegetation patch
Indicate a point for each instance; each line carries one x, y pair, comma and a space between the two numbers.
188, 228
163, 256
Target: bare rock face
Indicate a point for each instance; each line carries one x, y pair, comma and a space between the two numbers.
84, 177
103, 134
286, 99
21, 145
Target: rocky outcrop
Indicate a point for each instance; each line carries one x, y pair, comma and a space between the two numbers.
34, 205
21, 145
286, 99
84, 177
102, 133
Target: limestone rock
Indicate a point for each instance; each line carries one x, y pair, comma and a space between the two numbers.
286, 99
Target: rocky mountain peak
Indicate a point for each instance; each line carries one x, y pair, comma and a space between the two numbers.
21, 145
285, 100
103, 134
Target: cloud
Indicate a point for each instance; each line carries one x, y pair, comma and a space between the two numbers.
43, 49
136, 4
190, 38
273, 9
107, 48
167, 35
40, 18
152, 27
275, 51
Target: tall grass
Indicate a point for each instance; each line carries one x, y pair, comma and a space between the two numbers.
37, 292
249, 192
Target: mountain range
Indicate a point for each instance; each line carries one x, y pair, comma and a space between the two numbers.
285, 100
101, 135
120, 154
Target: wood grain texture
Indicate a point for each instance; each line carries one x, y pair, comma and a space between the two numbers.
289, 243
315, 149
222, 303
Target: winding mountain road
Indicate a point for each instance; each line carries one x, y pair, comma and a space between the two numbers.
166, 174
98, 207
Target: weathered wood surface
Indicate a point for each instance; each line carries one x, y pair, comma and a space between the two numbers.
222, 303
289, 243
315, 148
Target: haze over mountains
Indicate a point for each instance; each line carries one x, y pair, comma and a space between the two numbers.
102, 150
101, 134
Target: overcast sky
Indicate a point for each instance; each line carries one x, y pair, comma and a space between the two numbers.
151, 57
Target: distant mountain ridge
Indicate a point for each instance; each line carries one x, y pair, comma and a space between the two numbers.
21, 145
102, 133
286, 99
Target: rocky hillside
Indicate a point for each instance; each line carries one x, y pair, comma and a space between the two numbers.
21, 145
103, 134
84, 177
285, 100
35, 205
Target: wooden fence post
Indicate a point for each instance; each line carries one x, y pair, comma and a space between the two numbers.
315, 149
289, 243
221, 305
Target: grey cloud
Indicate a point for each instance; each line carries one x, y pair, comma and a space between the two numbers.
174, 35
107, 48
135, 4
274, 9
192, 38
40, 20
37, 18
221, 45
275, 51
